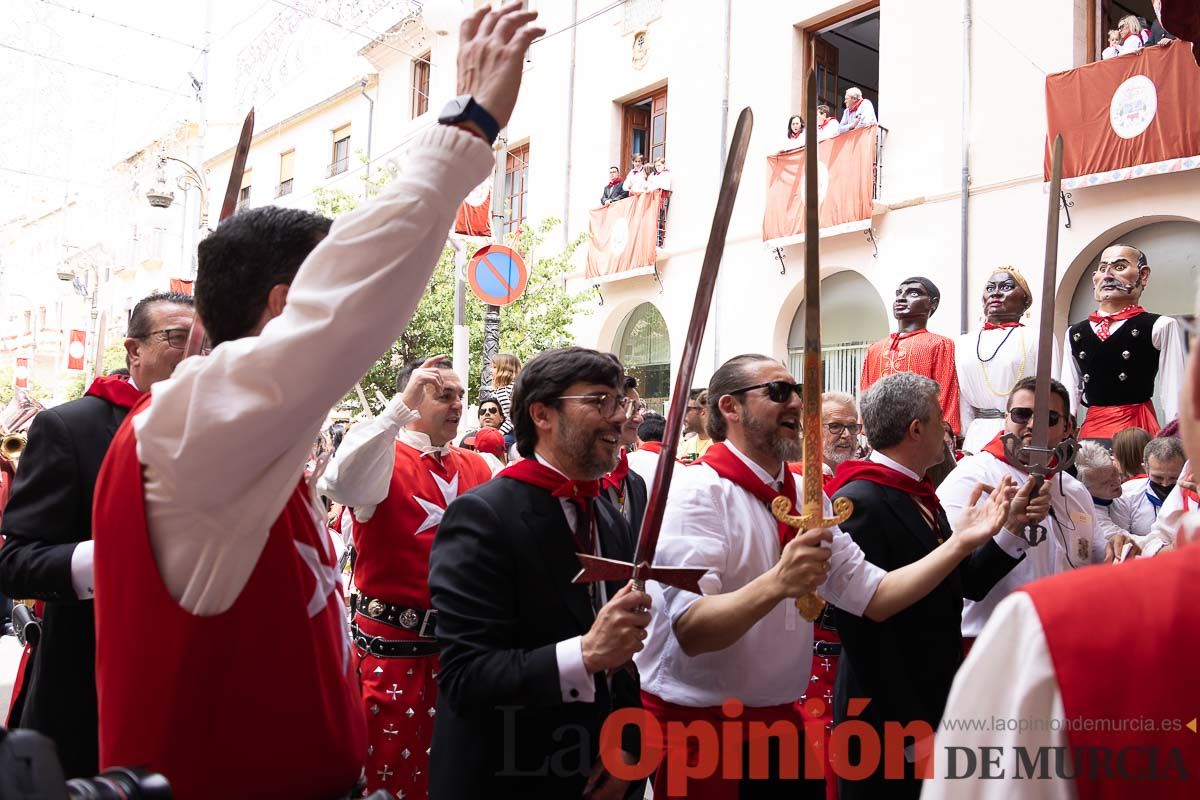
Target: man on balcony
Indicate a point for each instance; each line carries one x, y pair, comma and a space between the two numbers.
1116, 354
859, 112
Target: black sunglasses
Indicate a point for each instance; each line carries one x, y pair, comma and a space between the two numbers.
778, 391
1021, 415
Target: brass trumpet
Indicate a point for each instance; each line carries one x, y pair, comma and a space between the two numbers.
12, 445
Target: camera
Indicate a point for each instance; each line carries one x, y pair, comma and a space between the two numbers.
120, 783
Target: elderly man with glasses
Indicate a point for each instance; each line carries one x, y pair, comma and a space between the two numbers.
1060, 518
744, 638
47, 553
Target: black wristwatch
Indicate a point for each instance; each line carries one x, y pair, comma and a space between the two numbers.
464, 109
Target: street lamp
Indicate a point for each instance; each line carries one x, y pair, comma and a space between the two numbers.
91, 292
160, 196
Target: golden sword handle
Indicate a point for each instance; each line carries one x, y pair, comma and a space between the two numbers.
811, 605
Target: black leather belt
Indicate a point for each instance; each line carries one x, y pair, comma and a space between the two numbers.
422, 621
392, 648
827, 649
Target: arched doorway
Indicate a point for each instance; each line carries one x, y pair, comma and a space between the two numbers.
1174, 258
852, 317
644, 347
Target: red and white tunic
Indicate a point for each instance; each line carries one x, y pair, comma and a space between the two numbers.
395, 521
267, 683
922, 352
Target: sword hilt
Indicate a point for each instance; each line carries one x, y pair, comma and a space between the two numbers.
812, 604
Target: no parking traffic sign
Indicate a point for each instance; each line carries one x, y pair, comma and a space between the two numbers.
497, 274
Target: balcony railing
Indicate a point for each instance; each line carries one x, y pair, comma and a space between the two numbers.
338, 167
283, 188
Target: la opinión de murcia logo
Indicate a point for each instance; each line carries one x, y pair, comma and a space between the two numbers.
1133, 106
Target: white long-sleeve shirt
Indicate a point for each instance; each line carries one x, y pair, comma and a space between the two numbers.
712, 522
1162, 532
861, 117
360, 472
1133, 511
1168, 340
226, 438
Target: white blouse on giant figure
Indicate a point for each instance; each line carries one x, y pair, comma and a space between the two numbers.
989, 364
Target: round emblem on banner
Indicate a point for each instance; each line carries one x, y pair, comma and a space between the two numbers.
76, 349
620, 235
1133, 106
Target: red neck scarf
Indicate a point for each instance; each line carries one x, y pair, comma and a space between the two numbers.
535, 473
614, 182
854, 107
115, 389
898, 337
652, 447
995, 326
1105, 320
731, 468
922, 491
799, 135
616, 478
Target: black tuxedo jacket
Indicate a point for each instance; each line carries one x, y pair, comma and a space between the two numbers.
635, 497
905, 665
500, 577
50, 511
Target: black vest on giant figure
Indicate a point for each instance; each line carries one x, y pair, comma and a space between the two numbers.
1120, 370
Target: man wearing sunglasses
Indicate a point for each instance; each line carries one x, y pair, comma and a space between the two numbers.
1116, 356
47, 553
695, 427
745, 637
1062, 507
398, 472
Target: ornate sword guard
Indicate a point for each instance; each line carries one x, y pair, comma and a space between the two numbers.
596, 569
1057, 459
811, 605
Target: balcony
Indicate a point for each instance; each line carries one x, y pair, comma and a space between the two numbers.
850, 168
626, 235
1126, 117
285, 187
338, 167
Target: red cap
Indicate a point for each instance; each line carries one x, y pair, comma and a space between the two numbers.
489, 440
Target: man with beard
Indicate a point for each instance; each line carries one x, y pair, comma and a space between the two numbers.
531, 662
47, 553
1142, 497
991, 360
1119, 350
1062, 506
897, 521
398, 472
839, 429
741, 651
623, 487
695, 427
912, 348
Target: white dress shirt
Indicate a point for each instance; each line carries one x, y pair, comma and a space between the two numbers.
861, 117
225, 441
360, 473
1012, 355
1071, 537
712, 522
1162, 532
1168, 340
645, 464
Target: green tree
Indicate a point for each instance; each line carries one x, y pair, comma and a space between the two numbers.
539, 320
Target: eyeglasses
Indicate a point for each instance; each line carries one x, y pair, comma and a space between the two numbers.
778, 391
488, 411
693, 408
607, 404
838, 428
1021, 416
175, 338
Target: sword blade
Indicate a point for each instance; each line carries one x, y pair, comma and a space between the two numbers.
811, 488
1039, 459
656, 504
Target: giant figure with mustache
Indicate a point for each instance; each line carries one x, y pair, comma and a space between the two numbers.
913, 348
1115, 355
992, 360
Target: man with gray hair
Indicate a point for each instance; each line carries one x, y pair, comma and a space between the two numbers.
898, 521
1142, 497
839, 429
858, 113
1096, 470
